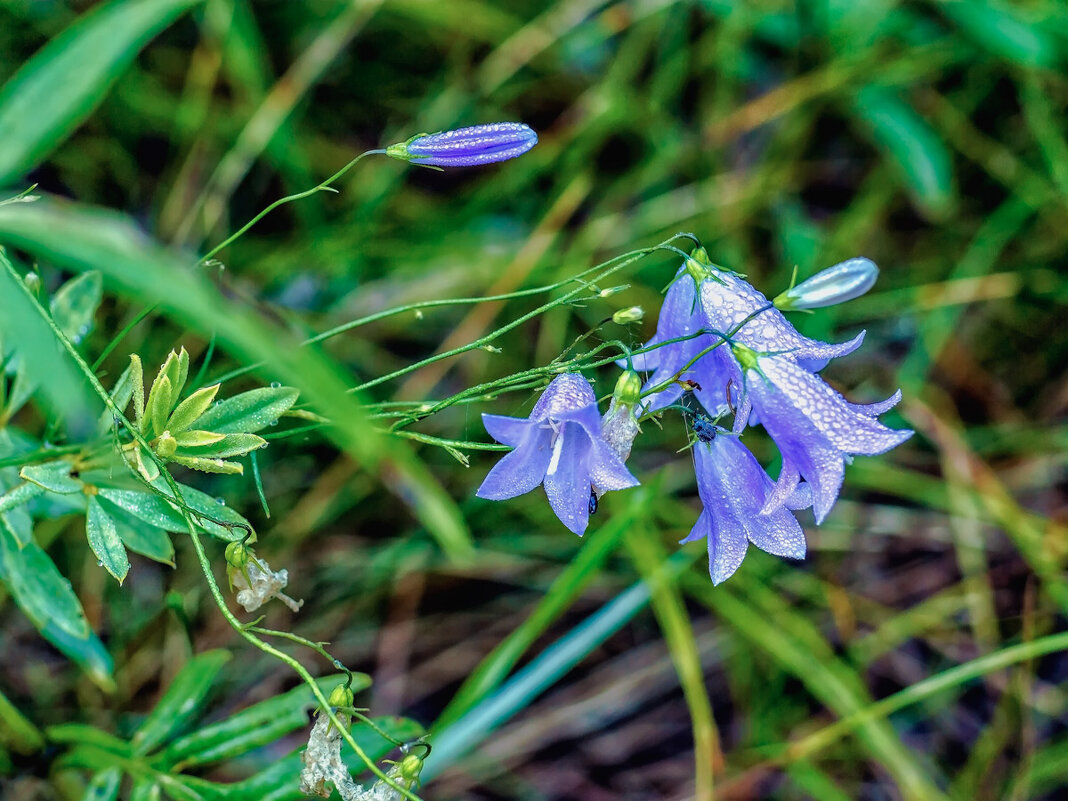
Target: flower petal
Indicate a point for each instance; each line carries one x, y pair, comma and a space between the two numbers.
606, 469
567, 480
511, 431
566, 392
519, 471
845, 428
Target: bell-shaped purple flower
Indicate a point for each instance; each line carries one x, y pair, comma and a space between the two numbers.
559, 446
733, 489
814, 427
467, 147
727, 305
680, 316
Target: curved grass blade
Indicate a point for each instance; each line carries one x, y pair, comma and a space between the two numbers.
63, 82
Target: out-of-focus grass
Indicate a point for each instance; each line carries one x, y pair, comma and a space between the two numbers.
928, 136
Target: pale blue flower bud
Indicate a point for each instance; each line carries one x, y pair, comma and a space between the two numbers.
837, 284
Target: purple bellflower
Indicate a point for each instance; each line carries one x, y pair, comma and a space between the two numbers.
733, 489
559, 446
815, 428
725, 302
467, 147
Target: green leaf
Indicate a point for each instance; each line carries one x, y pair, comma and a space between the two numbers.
88, 653
105, 541
146, 506
209, 465
120, 394
139, 536
250, 728
1003, 31
249, 411
160, 398
75, 303
183, 699
145, 790
912, 145
197, 438
212, 507
17, 496
42, 360
190, 410
176, 371
230, 445
62, 83
38, 587
52, 476
104, 785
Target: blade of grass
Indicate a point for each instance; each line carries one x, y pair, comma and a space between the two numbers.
59, 87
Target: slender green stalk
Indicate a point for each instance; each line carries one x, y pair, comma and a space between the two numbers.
325, 186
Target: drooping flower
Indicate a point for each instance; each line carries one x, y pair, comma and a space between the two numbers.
254, 580
559, 446
467, 147
725, 305
619, 426
814, 427
844, 281
733, 489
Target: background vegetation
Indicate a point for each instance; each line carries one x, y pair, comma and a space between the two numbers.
928, 136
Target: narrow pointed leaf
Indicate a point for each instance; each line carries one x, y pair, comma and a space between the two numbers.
182, 701
75, 303
190, 410
159, 405
104, 786
229, 445
197, 438
39, 589
105, 541
62, 83
139, 536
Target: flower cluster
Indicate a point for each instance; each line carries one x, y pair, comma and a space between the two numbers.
723, 346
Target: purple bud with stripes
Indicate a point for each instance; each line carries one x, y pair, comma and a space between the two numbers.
467, 147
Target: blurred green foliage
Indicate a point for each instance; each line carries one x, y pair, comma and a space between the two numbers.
929, 136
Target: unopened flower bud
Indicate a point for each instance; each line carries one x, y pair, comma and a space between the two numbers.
632, 314
467, 147
409, 768
166, 445
836, 284
33, 282
612, 290
628, 388
236, 554
619, 426
341, 696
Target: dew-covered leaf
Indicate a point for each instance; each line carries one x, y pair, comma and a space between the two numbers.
104, 539
250, 411
52, 476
